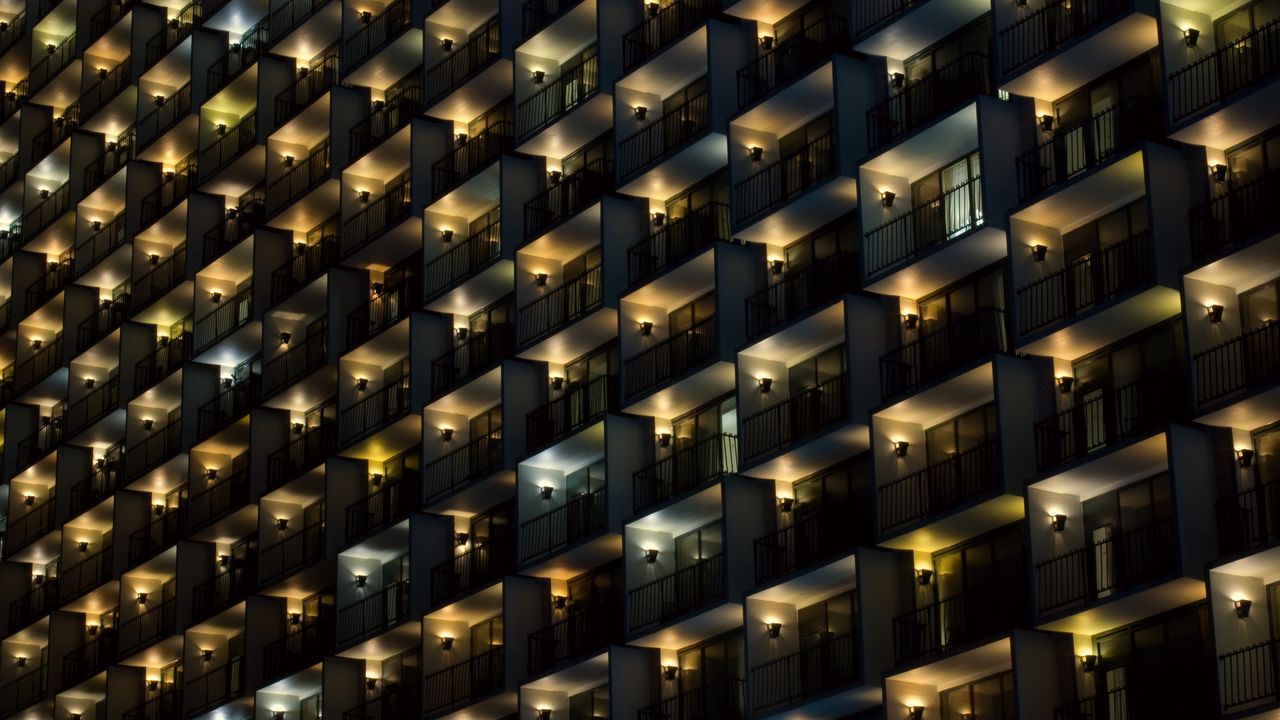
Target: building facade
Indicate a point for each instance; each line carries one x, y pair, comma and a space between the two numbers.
682, 360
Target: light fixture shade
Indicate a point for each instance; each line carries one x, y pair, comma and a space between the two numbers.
640, 112
288, 161
756, 153
924, 576
540, 279
462, 333
557, 383
83, 546
1046, 123
446, 434
1242, 608
206, 655
887, 197
1191, 36
897, 80
1244, 457
544, 714
1088, 663
900, 447
664, 440
446, 642
646, 328
670, 671
461, 538
539, 77
446, 235
446, 44
651, 555
774, 629
1219, 172
915, 712
371, 684
142, 598
1065, 383
282, 524
910, 320
786, 504
216, 296
211, 474
766, 384
1215, 313
362, 384
766, 42
776, 266
295, 619
559, 601
659, 219
1038, 252
285, 337
277, 715
361, 580
546, 491
1058, 522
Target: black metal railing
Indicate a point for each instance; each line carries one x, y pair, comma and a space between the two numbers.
214, 687
971, 615
40, 441
671, 357
383, 310
227, 406
461, 467
175, 30
379, 32
378, 610
829, 663
464, 61
676, 240
467, 360
33, 604
721, 699
230, 315
396, 700
662, 27
573, 87
452, 267
1088, 282
48, 284
311, 638
870, 13
566, 198
107, 87
1080, 148
15, 97
1105, 417
162, 277
106, 18
44, 214
1248, 60
1249, 674
304, 452
683, 470
1242, 214
238, 57
812, 537
89, 659
14, 31
160, 363
385, 119
299, 180
926, 227
580, 406
1058, 22
217, 499
941, 486
148, 626
55, 133
163, 115
801, 291
153, 451
230, 145
791, 58
92, 406
99, 485
393, 499
561, 306
779, 183
292, 552
312, 83
86, 573
173, 189
9, 172
26, 689
291, 14
167, 704
939, 352
1251, 360
674, 129
223, 590
464, 682
560, 527
309, 262
99, 245
683, 591
807, 412
537, 14
470, 156
38, 365
53, 61
30, 526
486, 561
379, 216
106, 318
297, 362
583, 628
162, 532
374, 412
928, 99
1104, 568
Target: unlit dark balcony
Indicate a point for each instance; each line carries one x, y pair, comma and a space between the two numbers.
376, 33
471, 358
459, 468
785, 180
1248, 362
955, 621
1108, 567
799, 292
561, 527
1105, 418
373, 412
484, 562
464, 61
791, 58
935, 355
940, 487
579, 406
1241, 215
472, 155
677, 239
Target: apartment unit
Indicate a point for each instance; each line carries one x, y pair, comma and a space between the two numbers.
673, 360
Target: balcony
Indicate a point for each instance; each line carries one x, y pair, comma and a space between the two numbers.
101, 21
676, 128
171, 192
472, 155
214, 688
464, 62
153, 451
373, 413
37, 366
1089, 283
299, 180
579, 407
160, 363
676, 240
800, 292
1248, 675
578, 518
374, 613
387, 117
572, 89
464, 682
54, 61
312, 637
217, 500
14, 98
537, 14
1106, 568
311, 84
811, 538
832, 662
167, 704
162, 277
1073, 151
935, 355
677, 594
47, 286
46, 212
785, 180
471, 358
378, 217
485, 562
792, 58
579, 632
92, 407
920, 103
1235, 219
1247, 61
561, 306
395, 701
217, 325
722, 699
231, 144
1058, 23
54, 134
148, 626
685, 469
384, 310
309, 261
238, 57
396, 497
32, 605
39, 443
227, 407
296, 363
177, 29
304, 452
15, 31
661, 28
566, 198
461, 467
805, 414
162, 532
166, 113
26, 689
941, 626
101, 322
32, 525
99, 245
105, 89
940, 487
1106, 418
223, 590
89, 659
925, 228
671, 358
1243, 364
376, 34
292, 553
99, 485
86, 573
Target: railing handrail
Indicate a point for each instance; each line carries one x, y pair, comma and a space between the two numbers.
548, 104
1240, 215
791, 176
800, 291
659, 29
563, 525
677, 239
1087, 282
706, 576
792, 57
899, 239
394, 399
1077, 575
942, 485
672, 356
376, 34
669, 477
674, 129
464, 61
489, 457
801, 415
467, 359
1212, 77
1249, 360
470, 156
1056, 23
450, 268
378, 217
556, 308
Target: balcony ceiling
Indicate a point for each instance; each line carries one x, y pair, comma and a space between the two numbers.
1110, 471
920, 27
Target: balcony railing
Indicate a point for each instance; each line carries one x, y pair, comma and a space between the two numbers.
46, 212
55, 133
1083, 147
580, 631
1248, 60
1239, 216
469, 359
55, 59
89, 659
157, 448
928, 99
370, 414
293, 552
925, 227
238, 57
571, 89
1249, 674
470, 157
396, 700
463, 261
1086, 283
806, 413
163, 115
104, 19
560, 527
228, 406
791, 58
1106, 417
464, 62
386, 118
32, 525
161, 362
566, 198
310, 639
683, 470
379, 216
214, 687
291, 14
109, 315
671, 357
93, 406
676, 240
162, 277
538, 14
578, 407
303, 453
976, 613
298, 180
171, 192
376, 34
150, 625
311, 84
99, 485
40, 442
309, 262
107, 88
486, 561
48, 284
9, 172
463, 466
810, 538
870, 13
177, 29
15, 31
721, 699
34, 604
940, 487
464, 682
561, 306
790, 177
938, 353
15, 97
163, 706
1249, 518
233, 142
1057, 23
164, 531
663, 27
25, 690
85, 574
215, 501
382, 311
681, 592
297, 362
230, 315
832, 662
394, 499
223, 590
99, 245
799, 292
1104, 568
673, 130
38, 365
377, 611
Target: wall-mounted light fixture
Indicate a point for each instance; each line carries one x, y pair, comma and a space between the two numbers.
446, 642
83, 546
295, 619
554, 176
361, 580
224, 560
362, 384
897, 80
540, 279
915, 712
371, 684
1046, 123
446, 236
1058, 522
1088, 663
539, 77
887, 197
557, 383
1065, 383
546, 491
765, 384
153, 685
1244, 456
786, 504
365, 195
900, 447
669, 672
285, 337
222, 129
910, 320
756, 153
461, 333
659, 219
446, 44
288, 161
774, 629
1191, 36
461, 538
1215, 313
544, 713
158, 509
95, 225
282, 524
89, 383
651, 555
148, 424
924, 576
559, 601
446, 434
664, 440
766, 42
1242, 608
206, 655
646, 328
21, 660
640, 112
776, 266
142, 598
153, 259
1038, 253
366, 17
1219, 172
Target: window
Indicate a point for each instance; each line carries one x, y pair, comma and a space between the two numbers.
714, 188
1254, 159
1154, 356
599, 363
825, 244
493, 525
486, 422
486, 635
1136, 79
1266, 445
597, 587
830, 618
1149, 658
992, 561
497, 115
1258, 306
818, 369
948, 202
592, 156
681, 319
698, 545
974, 39
960, 434
496, 315
1096, 235
1128, 509
830, 490
1235, 25
960, 303
715, 663
991, 698
589, 704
